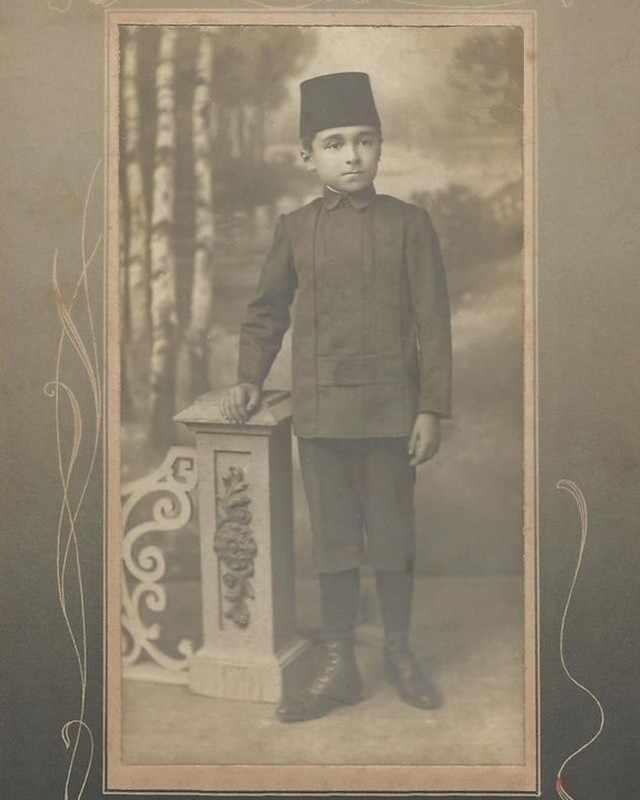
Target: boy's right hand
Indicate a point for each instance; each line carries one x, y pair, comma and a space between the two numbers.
240, 401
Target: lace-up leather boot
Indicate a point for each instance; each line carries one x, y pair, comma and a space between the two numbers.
337, 684
402, 670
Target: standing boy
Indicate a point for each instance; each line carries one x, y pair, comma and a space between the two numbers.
371, 379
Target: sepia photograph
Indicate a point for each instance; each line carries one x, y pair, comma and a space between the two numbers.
320, 447
325, 400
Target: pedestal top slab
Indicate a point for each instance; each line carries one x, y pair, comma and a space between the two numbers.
205, 411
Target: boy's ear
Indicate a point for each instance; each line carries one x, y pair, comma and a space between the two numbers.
307, 160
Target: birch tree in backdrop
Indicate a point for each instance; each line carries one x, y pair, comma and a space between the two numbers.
164, 318
136, 284
202, 287
194, 109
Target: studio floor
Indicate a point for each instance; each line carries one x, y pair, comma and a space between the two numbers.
468, 632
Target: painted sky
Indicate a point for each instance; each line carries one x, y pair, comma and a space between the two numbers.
431, 139
409, 70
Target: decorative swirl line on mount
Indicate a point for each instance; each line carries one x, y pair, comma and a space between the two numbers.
574, 490
500, 6
74, 488
65, 5
62, 6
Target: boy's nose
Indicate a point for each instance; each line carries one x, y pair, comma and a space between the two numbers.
351, 154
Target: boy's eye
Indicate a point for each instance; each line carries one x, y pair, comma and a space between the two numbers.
333, 145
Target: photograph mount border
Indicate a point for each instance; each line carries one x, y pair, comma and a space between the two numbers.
312, 779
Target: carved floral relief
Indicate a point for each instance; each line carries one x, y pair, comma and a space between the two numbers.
236, 547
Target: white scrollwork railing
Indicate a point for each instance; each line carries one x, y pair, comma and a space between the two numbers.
161, 502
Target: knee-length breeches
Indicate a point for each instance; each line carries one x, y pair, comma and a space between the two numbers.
360, 496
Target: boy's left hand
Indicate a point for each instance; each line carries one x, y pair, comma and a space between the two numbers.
424, 441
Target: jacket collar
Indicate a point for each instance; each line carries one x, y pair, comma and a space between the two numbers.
332, 198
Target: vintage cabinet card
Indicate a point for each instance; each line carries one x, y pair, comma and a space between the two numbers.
162, 613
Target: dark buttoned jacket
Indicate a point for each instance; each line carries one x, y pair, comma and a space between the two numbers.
371, 338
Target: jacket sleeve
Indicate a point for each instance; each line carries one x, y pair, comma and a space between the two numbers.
268, 316
431, 314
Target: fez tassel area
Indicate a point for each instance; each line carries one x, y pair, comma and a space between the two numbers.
64, 5
76, 734
574, 490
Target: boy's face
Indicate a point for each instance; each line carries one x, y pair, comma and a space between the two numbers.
346, 159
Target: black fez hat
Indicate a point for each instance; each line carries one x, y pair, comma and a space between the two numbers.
336, 100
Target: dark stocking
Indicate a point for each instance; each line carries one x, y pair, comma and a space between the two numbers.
339, 594
395, 588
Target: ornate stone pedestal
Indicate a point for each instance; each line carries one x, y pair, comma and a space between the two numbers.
251, 649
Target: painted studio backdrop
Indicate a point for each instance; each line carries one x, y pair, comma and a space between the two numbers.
210, 158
